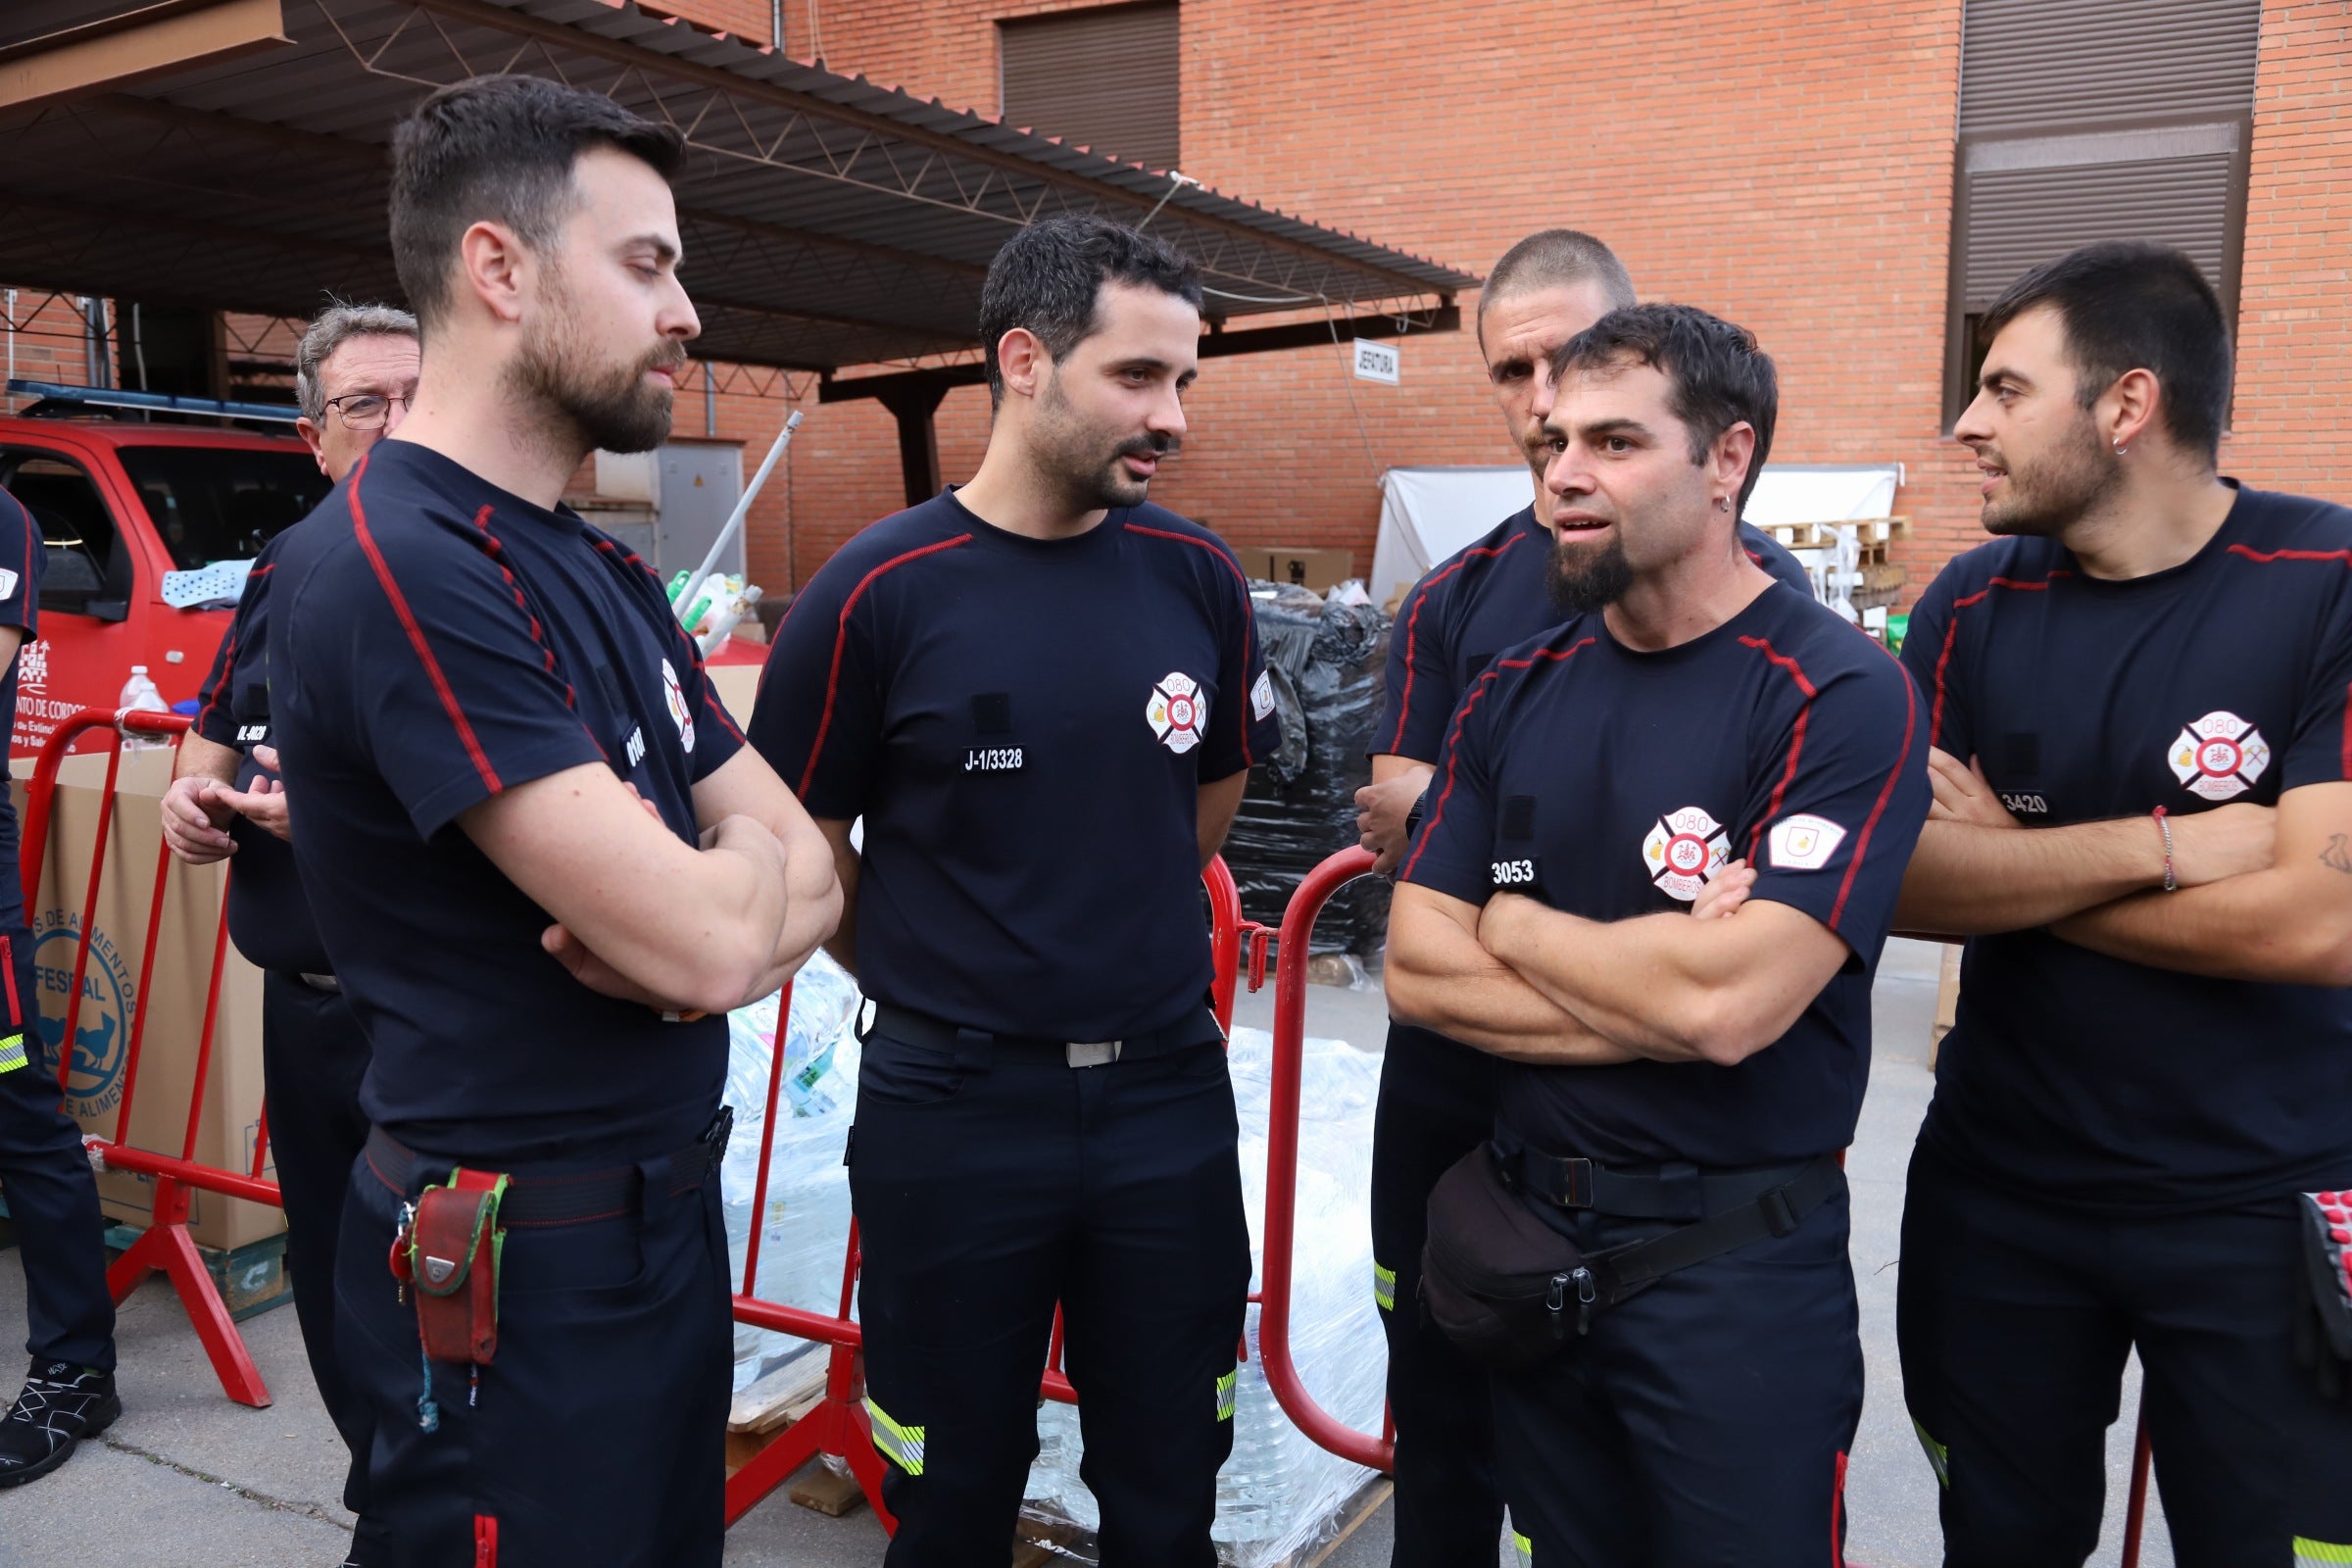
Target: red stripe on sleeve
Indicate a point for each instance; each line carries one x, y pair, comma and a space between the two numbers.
1951, 632
229, 656
2341, 557
1797, 738
1885, 794
841, 637
1412, 623
425, 652
1248, 623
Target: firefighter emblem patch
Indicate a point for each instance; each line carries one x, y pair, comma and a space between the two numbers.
679, 714
1683, 851
2219, 756
1176, 712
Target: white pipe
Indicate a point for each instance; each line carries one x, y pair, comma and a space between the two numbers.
728, 534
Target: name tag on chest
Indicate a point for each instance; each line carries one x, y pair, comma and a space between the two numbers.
993, 760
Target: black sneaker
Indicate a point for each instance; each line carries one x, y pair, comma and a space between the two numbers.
61, 1404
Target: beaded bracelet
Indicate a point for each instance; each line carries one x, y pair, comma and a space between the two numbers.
2172, 884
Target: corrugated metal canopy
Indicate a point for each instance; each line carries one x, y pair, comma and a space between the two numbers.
828, 221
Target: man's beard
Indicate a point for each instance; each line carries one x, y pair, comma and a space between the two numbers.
2051, 494
1071, 453
613, 410
1579, 579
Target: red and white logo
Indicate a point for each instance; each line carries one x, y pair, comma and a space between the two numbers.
678, 713
1177, 712
2219, 756
1683, 851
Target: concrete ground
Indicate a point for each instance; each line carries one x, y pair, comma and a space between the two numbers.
187, 1480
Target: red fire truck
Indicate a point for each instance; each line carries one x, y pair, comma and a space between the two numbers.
119, 503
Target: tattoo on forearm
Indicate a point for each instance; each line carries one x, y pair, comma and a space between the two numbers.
2336, 857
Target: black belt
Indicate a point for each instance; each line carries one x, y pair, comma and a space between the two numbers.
1677, 1192
921, 1029
569, 1200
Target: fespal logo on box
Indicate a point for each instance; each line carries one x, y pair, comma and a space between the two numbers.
102, 1021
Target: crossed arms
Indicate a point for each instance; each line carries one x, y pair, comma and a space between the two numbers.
2265, 892
1535, 984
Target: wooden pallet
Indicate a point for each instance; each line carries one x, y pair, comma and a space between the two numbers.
1868, 532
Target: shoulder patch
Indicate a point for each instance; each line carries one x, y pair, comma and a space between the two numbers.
1803, 842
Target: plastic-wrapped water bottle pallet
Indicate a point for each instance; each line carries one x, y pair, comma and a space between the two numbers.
1045, 1544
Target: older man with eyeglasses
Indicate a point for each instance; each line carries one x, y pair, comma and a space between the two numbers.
354, 373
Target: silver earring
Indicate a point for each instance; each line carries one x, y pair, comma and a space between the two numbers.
1723, 502
2121, 448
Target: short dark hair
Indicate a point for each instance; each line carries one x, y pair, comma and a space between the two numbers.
2132, 305
1556, 258
1718, 375
1049, 278
499, 148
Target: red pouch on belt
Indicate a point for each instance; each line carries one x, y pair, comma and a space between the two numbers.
453, 1249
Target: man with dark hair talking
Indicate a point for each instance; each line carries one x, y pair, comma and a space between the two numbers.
1662, 850
542, 862
1437, 1096
2137, 696
1043, 695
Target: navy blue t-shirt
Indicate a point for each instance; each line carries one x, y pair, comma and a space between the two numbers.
1024, 725
20, 566
1611, 784
1482, 599
268, 915
2077, 1076
435, 641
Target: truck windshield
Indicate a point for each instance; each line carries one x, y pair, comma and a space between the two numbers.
214, 503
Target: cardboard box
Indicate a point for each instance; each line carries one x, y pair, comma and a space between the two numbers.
176, 988
1319, 569
1947, 1002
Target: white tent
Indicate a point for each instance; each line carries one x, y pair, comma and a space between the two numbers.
1823, 492
1427, 514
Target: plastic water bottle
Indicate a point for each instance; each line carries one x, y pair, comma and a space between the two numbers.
139, 693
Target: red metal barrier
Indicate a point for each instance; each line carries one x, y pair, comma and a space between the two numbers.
166, 1244
1282, 1170
838, 1425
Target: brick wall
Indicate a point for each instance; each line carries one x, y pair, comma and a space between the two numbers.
1787, 166
2294, 338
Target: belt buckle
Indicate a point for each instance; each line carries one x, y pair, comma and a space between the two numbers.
1093, 1053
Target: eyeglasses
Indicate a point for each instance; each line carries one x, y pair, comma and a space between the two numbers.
366, 410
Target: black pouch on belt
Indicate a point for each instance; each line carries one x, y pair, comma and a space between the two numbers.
1505, 1286
2324, 1333
453, 1250
1511, 1290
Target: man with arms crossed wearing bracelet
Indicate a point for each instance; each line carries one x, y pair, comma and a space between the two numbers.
2137, 696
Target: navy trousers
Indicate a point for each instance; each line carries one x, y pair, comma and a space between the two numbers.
1702, 1424
599, 1433
314, 1056
1437, 1104
2016, 1314
987, 1189
52, 1197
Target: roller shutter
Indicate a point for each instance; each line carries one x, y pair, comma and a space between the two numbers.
1104, 78
2089, 119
